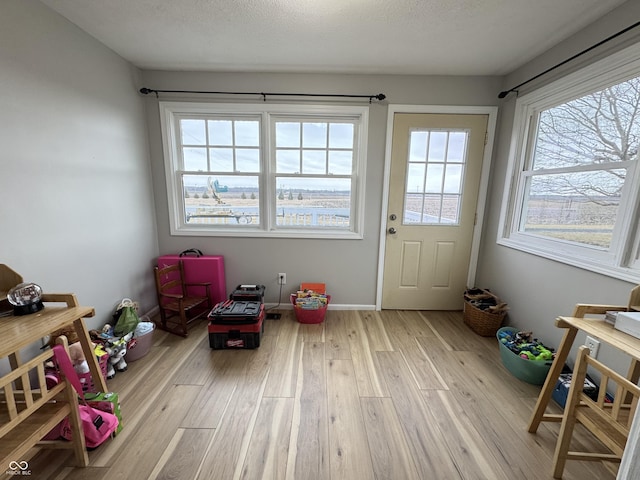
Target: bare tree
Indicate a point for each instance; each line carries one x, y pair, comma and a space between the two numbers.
600, 129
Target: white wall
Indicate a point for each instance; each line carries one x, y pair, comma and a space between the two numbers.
538, 290
76, 203
348, 267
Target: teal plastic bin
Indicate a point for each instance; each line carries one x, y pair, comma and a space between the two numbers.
530, 371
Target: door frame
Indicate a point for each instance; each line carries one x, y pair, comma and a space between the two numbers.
492, 114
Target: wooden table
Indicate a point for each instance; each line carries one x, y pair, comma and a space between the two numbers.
29, 408
594, 327
17, 332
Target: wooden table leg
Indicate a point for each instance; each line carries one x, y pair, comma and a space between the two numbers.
96, 374
552, 377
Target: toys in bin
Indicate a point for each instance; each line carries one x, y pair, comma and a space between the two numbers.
525, 346
310, 302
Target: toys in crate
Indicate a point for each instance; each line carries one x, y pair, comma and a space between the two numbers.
524, 345
236, 324
524, 356
310, 302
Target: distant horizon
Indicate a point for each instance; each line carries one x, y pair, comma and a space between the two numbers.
201, 188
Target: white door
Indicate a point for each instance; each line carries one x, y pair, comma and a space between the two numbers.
436, 162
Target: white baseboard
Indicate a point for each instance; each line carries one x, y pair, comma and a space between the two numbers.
332, 306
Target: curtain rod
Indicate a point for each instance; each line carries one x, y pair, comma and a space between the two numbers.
515, 89
379, 96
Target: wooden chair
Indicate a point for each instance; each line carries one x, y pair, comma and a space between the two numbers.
609, 422
179, 306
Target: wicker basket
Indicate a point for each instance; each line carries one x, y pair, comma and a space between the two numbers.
483, 322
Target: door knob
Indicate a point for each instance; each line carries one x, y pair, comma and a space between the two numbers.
392, 231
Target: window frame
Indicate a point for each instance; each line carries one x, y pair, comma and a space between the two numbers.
170, 114
622, 260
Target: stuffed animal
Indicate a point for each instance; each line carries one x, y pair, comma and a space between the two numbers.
116, 351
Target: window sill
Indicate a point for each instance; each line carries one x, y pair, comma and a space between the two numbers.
244, 233
561, 256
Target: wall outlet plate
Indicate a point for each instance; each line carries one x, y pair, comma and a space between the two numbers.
594, 346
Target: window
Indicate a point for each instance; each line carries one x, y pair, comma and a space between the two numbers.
573, 194
434, 177
265, 170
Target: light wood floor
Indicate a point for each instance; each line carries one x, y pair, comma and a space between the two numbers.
366, 395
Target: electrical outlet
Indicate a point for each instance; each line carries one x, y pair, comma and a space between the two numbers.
593, 345
282, 279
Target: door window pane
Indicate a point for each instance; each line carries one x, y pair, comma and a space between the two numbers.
435, 170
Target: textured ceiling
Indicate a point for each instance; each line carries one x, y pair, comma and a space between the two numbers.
433, 37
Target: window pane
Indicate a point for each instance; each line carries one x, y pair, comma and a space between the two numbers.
341, 135
287, 134
247, 133
288, 161
220, 132
194, 159
221, 200
434, 178
450, 213
247, 160
437, 146
432, 209
221, 159
313, 203
340, 162
314, 135
192, 132
413, 205
578, 207
453, 179
418, 146
415, 178
599, 128
457, 147
314, 161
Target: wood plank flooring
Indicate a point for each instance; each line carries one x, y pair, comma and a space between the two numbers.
393, 395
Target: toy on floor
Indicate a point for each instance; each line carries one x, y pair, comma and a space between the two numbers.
116, 350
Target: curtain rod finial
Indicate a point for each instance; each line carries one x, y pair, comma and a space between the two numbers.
145, 90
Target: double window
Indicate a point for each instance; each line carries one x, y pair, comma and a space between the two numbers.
265, 170
573, 194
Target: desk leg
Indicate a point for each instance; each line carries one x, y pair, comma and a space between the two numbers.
552, 377
92, 361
